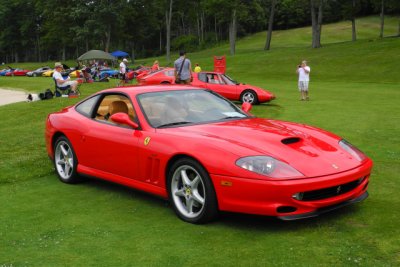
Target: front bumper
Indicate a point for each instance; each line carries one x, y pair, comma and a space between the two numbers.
323, 210
276, 197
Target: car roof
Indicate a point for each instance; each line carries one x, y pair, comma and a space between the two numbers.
139, 89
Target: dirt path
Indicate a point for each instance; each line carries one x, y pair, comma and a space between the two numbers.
11, 96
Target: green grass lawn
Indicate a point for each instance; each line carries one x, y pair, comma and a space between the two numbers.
355, 93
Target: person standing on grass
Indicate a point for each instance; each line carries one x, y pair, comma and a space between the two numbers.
122, 72
197, 68
183, 69
304, 78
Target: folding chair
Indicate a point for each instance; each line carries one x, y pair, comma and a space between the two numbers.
64, 91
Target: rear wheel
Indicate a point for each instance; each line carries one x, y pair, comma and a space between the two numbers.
249, 96
191, 192
65, 161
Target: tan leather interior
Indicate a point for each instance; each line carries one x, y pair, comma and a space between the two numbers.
118, 106
113, 104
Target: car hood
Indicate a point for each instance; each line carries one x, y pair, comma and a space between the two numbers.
312, 151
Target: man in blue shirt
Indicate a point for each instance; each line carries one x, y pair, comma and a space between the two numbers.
183, 69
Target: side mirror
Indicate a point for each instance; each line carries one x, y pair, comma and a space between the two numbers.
246, 106
123, 118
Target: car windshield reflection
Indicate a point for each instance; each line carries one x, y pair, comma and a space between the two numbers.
180, 108
229, 80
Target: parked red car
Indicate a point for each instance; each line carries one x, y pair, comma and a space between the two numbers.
140, 71
214, 81
163, 76
205, 154
18, 72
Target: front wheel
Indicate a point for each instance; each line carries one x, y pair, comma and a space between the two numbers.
191, 192
65, 161
249, 96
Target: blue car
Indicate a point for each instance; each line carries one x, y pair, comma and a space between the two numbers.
108, 73
3, 72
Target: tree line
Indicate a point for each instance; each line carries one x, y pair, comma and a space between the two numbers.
42, 30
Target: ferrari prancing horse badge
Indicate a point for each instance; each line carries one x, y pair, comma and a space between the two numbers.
146, 141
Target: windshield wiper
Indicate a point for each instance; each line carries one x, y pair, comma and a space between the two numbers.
174, 123
232, 117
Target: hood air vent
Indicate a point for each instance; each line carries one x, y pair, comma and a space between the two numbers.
290, 140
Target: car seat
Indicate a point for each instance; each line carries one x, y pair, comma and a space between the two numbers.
118, 106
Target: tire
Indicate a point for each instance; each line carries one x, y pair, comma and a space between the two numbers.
191, 192
249, 96
165, 82
34, 75
65, 161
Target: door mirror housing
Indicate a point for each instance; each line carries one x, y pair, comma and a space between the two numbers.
124, 119
246, 106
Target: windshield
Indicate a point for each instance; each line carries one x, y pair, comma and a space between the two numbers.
154, 72
183, 107
229, 80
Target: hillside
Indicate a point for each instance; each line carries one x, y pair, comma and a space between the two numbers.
338, 59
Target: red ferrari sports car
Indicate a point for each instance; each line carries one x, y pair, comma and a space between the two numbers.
214, 81
204, 154
18, 72
141, 71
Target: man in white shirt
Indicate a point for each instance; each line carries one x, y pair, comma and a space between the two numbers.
304, 78
58, 67
122, 72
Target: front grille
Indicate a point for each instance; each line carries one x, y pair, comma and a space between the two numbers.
331, 191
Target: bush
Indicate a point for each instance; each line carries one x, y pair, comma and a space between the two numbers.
189, 43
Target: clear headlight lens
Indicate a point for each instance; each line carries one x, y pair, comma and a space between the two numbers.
352, 150
268, 166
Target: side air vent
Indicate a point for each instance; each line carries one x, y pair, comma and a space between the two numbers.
290, 140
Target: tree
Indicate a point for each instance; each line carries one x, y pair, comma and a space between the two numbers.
57, 27
233, 32
353, 22
394, 8
389, 7
107, 15
349, 10
60, 30
382, 16
168, 18
270, 24
316, 21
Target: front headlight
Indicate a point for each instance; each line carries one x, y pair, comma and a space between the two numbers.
352, 150
268, 166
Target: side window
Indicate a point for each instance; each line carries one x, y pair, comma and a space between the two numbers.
112, 104
169, 73
212, 78
202, 77
219, 79
85, 108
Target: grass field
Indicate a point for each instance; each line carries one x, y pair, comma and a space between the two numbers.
355, 93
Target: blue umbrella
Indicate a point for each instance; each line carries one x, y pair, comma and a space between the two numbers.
119, 54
